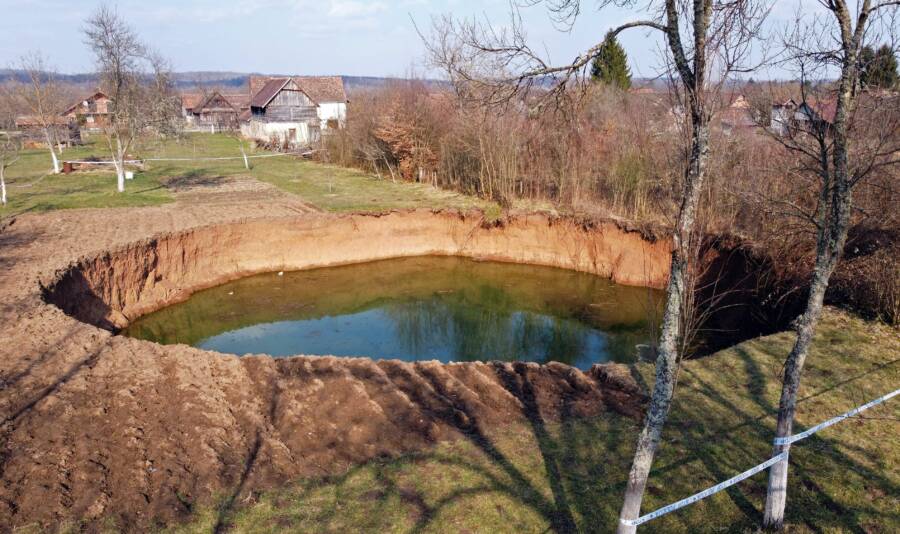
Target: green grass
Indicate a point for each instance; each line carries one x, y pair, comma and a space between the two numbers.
32, 188
330, 188
540, 476
348, 190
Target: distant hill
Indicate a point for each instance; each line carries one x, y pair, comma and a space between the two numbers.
205, 79
237, 81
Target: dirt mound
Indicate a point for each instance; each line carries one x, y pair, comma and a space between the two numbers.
141, 432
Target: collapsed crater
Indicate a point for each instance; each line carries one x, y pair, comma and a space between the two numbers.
421, 308
112, 289
168, 421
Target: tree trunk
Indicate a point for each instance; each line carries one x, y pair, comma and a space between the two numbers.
2, 186
667, 360
119, 162
776, 497
244, 154
52, 152
832, 236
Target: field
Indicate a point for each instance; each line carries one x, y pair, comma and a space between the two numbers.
31, 188
569, 476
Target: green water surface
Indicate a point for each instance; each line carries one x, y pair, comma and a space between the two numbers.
422, 308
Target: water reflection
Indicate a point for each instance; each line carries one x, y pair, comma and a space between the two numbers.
448, 309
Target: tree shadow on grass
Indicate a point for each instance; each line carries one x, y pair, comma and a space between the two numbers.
584, 466
193, 179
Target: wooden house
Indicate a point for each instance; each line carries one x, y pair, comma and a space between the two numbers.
802, 115
214, 110
282, 113
294, 111
91, 112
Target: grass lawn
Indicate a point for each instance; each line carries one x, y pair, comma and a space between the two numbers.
341, 190
543, 476
31, 187
330, 188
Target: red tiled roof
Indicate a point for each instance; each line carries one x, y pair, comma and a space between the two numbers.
323, 88
238, 100
92, 96
826, 109
28, 121
190, 100
256, 83
206, 102
320, 89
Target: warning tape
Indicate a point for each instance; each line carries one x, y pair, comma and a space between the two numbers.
133, 161
705, 493
761, 467
802, 435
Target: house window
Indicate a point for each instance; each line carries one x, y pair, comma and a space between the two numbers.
292, 134
90, 118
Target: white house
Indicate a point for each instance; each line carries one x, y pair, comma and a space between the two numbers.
294, 111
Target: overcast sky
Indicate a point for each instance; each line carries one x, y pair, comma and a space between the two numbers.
351, 37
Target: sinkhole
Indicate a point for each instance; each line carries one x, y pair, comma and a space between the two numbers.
445, 308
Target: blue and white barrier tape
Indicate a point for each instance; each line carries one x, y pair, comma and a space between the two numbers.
705, 493
805, 434
761, 467
133, 161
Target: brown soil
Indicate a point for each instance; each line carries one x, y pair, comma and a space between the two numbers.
94, 425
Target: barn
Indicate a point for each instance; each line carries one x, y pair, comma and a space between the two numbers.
293, 111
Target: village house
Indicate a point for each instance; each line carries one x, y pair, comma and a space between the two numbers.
91, 112
791, 114
294, 111
215, 111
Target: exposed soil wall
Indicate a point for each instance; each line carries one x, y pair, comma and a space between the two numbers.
116, 287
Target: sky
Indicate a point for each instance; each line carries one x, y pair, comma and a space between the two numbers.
316, 37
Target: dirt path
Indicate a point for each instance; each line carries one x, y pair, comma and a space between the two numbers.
95, 426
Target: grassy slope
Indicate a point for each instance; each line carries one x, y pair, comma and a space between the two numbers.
330, 188
529, 477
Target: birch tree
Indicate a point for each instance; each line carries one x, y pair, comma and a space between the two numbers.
706, 42
43, 99
136, 80
860, 139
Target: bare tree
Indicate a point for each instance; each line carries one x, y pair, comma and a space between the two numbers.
840, 151
42, 97
137, 81
707, 41
9, 154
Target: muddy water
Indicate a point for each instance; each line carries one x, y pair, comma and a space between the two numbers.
423, 308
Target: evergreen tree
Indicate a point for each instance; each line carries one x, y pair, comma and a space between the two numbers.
610, 66
878, 68
864, 60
